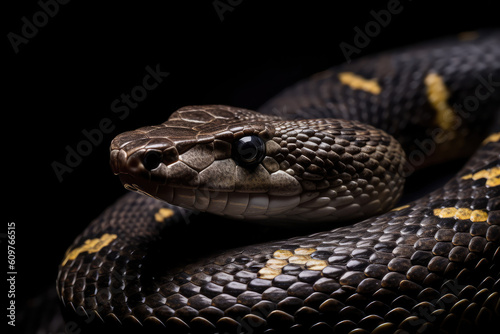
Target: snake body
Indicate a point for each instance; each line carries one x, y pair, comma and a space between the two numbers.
306, 157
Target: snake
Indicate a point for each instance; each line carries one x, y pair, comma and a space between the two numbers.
330, 153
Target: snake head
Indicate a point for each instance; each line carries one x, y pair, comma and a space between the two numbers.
208, 158
242, 164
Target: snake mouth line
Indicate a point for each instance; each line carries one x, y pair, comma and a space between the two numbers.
258, 206
235, 205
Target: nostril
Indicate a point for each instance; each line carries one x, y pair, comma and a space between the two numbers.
152, 159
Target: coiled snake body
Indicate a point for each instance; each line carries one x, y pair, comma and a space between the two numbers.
306, 157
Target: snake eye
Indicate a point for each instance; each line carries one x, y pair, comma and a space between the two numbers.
152, 159
249, 151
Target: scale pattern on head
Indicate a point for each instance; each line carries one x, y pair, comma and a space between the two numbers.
242, 164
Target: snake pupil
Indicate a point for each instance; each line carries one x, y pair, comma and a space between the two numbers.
152, 160
249, 151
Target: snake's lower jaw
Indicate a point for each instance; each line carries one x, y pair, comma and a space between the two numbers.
292, 210
329, 205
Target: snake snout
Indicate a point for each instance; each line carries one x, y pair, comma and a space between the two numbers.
139, 160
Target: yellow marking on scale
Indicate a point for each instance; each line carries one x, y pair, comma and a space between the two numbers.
276, 263
304, 251
299, 259
445, 212
462, 214
492, 176
479, 216
493, 138
401, 207
268, 273
282, 254
358, 82
163, 214
90, 246
438, 94
495, 182
283, 257
314, 264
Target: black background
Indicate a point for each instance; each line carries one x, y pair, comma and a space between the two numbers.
64, 79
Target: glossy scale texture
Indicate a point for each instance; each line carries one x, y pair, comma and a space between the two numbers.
432, 264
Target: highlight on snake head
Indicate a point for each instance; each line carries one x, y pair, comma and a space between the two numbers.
242, 164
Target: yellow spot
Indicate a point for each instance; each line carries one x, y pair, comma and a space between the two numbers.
478, 216
357, 82
468, 35
281, 257
163, 214
445, 212
493, 138
491, 175
299, 259
282, 254
401, 207
462, 214
276, 263
494, 182
90, 246
438, 94
304, 251
314, 264
268, 273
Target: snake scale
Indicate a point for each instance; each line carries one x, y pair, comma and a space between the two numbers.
431, 265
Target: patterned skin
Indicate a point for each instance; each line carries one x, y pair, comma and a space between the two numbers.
432, 264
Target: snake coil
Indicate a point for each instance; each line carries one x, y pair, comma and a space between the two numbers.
430, 265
